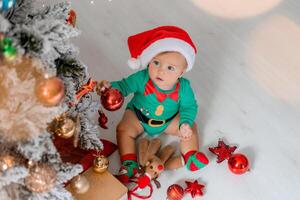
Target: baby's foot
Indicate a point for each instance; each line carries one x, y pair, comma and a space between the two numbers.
128, 169
195, 160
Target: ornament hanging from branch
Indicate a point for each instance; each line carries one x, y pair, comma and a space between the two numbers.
5, 5
71, 18
100, 163
6, 161
111, 99
63, 126
50, 91
80, 184
41, 178
7, 50
102, 119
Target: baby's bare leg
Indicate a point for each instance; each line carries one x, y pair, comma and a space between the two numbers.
127, 130
189, 148
187, 145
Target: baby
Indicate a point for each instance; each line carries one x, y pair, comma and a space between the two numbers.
163, 101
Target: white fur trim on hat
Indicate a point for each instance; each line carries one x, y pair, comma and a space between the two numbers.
134, 63
169, 44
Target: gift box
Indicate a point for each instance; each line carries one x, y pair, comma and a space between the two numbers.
103, 186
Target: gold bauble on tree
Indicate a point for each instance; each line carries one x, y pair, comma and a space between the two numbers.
63, 127
41, 178
50, 91
6, 162
100, 164
80, 184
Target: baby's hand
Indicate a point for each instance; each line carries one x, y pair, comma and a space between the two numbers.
101, 86
185, 132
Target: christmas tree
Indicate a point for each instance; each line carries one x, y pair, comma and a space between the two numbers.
39, 78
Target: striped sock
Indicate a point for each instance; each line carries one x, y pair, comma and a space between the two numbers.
195, 160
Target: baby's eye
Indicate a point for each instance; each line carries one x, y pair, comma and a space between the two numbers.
156, 62
171, 68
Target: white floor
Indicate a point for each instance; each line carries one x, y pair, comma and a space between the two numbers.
246, 79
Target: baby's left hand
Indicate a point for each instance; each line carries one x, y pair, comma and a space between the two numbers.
185, 132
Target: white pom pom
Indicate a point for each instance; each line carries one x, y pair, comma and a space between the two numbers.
134, 63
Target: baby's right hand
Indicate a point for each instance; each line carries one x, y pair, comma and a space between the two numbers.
101, 86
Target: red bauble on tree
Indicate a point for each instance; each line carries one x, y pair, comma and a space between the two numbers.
50, 91
102, 120
112, 99
175, 192
71, 18
238, 163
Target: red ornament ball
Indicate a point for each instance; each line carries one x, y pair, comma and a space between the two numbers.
102, 119
50, 91
238, 163
112, 99
71, 18
175, 192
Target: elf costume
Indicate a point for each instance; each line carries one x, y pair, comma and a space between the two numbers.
154, 107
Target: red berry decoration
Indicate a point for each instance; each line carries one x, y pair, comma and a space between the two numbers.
175, 192
102, 120
112, 99
223, 151
194, 188
238, 163
71, 18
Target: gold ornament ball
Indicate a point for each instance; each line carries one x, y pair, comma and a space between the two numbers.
80, 184
100, 164
6, 162
66, 128
41, 178
50, 91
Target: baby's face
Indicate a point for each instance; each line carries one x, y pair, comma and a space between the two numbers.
166, 68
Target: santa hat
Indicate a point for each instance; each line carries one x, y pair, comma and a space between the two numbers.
144, 46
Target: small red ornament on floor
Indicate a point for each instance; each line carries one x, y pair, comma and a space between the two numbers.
175, 192
238, 163
194, 188
102, 120
223, 151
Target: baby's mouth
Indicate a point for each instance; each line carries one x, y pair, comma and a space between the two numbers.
159, 79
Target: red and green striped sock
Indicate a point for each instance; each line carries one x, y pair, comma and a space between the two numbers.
129, 163
195, 160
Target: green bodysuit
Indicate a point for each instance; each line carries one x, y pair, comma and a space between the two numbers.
157, 105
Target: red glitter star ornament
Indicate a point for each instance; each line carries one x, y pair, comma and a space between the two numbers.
194, 188
223, 151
